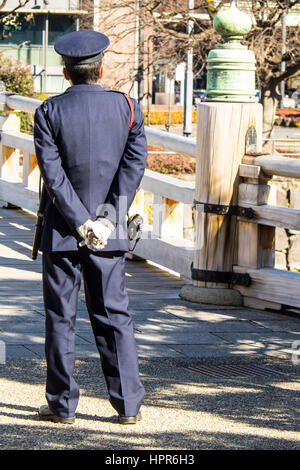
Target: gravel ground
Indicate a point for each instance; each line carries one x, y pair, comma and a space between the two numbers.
181, 409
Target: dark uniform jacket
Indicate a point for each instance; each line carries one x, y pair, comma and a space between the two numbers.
91, 160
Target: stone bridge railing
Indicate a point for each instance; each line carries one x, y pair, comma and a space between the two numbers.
163, 201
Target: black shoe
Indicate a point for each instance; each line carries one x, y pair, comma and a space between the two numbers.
46, 414
129, 419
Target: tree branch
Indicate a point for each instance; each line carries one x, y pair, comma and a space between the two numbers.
290, 71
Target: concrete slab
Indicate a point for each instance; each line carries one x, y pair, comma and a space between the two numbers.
19, 351
290, 326
192, 315
19, 317
82, 351
233, 326
137, 316
27, 327
157, 350
12, 299
158, 303
162, 334
88, 351
280, 339
34, 337
238, 349
154, 315
200, 326
162, 294
211, 314
181, 336
37, 350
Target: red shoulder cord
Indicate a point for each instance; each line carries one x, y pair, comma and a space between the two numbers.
131, 109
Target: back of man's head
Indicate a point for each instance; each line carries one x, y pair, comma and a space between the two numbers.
83, 73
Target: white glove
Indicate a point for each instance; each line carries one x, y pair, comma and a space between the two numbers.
103, 228
95, 233
85, 228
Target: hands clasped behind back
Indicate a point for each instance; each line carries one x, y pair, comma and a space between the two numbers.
95, 233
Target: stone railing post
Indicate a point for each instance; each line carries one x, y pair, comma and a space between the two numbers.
227, 123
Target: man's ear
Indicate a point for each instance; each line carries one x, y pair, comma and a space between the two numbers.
66, 74
101, 73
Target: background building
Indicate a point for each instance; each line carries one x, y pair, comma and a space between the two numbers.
36, 27
33, 32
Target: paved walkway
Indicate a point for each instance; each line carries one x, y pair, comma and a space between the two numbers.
165, 325
189, 354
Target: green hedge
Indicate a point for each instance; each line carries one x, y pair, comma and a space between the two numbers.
18, 79
171, 164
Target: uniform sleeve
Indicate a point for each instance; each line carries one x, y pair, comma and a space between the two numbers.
55, 179
131, 169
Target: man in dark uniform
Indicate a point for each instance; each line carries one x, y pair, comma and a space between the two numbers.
92, 161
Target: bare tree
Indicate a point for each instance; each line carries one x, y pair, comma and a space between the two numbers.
265, 39
165, 25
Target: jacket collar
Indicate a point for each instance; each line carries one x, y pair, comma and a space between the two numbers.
84, 87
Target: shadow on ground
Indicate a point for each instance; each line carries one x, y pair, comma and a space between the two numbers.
181, 410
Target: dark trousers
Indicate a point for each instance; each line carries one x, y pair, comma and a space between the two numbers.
107, 304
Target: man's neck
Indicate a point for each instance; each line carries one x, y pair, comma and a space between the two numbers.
96, 83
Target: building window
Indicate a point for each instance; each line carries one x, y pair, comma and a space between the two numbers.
21, 29
59, 25
31, 31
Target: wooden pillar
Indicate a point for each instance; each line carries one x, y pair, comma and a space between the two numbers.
221, 144
137, 206
256, 243
9, 157
167, 218
31, 172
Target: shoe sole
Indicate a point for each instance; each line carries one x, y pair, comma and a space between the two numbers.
57, 419
129, 419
